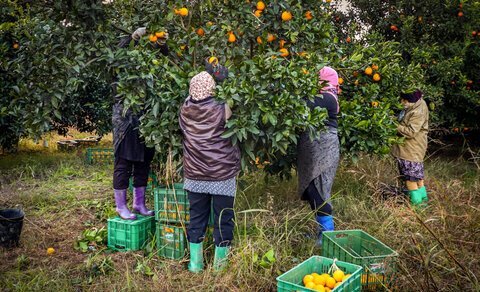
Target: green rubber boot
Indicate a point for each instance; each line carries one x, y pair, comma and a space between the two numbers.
196, 257
424, 194
415, 197
220, 260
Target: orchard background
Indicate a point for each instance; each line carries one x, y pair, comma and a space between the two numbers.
59, 60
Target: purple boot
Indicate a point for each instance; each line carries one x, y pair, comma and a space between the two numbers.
121, 203
139, 202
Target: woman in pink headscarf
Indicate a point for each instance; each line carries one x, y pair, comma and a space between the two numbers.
318, 159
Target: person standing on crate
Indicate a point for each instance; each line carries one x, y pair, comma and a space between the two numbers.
132, 156
210, 164
413, 125
317, 159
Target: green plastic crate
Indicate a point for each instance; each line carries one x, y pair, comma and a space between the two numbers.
99, 155
171, 205
171, 241
293, 279
125, 235
151, 184
360, 248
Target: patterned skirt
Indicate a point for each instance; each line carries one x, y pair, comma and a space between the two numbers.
409, 170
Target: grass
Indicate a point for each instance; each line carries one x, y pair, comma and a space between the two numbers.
62, 196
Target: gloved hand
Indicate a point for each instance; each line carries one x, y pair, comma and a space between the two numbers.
137, 34
218, 72
163, 40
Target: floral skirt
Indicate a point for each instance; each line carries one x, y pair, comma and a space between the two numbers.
409, 170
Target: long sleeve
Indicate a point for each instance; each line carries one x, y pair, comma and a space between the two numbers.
414, 126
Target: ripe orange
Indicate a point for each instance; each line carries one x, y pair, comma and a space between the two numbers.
394, 27
460, 5
338, 275
319, 280
340, 80
474, 33
284, 52
282, 43
369, 71
259, 40
460, 14
260, 5
308, 15
258, 13
213, 60
374, 104
231, 37
16, 46
376, 77
310, 285
348, 40
307, 279
182, 11
286, 15
160, 34
271, 38
153, 38
374, 67
319, 288
330, 282
200, 32
50, 250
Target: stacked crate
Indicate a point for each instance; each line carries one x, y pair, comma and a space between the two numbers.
173, 216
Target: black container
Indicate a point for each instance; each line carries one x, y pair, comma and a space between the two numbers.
11, 222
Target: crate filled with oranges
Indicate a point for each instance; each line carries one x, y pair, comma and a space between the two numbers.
99, 155
321, 274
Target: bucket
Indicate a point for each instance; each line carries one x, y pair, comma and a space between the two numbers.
11, 222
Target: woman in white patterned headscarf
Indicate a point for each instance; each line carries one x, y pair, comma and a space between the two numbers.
210, 165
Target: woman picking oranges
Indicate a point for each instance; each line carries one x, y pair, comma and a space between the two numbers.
318, 158
210, 164
413, 125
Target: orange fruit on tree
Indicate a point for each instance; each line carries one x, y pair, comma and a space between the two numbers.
374, 67
330, 282
271, 38
16, 46
474, 33
369, 71
376, 77
152, 38
308, 15
284, 52
231, 37
460, 14
374, 104
286, 15
160, 34
183, 11
394, 27
200, 32
213, 60
260, 5
338, 275
282, 43
307, 279
259, 40
258, 13
348, 40
340, 80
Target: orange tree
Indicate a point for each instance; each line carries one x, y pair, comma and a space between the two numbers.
441, 36
273, 50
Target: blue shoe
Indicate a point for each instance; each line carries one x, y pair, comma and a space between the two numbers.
325, 223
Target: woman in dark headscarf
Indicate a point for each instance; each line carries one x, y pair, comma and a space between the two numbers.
413, 125
132, 156
318, 159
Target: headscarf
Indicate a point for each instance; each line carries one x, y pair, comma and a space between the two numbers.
412, 97
329, 75
202, 86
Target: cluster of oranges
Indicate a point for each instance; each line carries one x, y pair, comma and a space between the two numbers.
158, 35
370, 70
460, 12
324, 282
